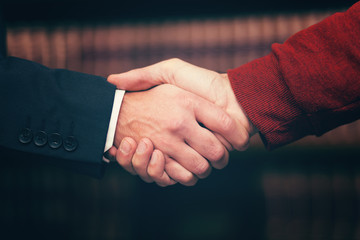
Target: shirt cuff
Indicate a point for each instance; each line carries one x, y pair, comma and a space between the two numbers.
119, 95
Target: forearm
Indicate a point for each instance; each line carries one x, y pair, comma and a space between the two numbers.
308, 85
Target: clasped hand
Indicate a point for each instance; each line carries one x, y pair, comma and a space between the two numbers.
182, 125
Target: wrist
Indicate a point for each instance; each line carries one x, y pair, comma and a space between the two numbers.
235, 109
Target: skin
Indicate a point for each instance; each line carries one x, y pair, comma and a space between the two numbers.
170, 117
207, 84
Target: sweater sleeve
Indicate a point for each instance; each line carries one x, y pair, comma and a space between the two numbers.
306, 86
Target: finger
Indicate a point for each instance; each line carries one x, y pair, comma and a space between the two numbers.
206, 144
222, 163
112, 152
189, 159
178, 173
135, 80
125, 153
224, 142
141, 159
156, 169
150, 76
217, 120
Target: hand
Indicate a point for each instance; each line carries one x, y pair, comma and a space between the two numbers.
208, 84
169, 116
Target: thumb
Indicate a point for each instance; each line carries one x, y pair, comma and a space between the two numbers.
135, 80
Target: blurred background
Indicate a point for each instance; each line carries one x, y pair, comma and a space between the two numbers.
307, 190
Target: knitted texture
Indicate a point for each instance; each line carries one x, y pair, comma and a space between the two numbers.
306, 86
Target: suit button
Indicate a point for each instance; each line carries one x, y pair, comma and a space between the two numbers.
40, 138
70, 144
25, 135
55, 140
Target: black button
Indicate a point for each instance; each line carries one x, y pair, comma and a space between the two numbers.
70, 144
25, 135
40, 138
55, 140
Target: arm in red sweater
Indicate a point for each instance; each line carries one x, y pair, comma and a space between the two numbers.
306, 86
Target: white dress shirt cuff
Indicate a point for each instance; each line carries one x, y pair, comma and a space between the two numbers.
119, 95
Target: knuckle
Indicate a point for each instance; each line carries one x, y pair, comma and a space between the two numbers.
176, 125
152, 171
222, 165
243, 143
163, 182
174, 61
124, 162
216, 153
193, 182
201, 168
160, 184
228, 124
169, 68
136, 163
146, 179
185, 100
189, 180
164, 143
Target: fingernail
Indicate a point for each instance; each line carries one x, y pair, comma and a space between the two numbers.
125, 147
141, 147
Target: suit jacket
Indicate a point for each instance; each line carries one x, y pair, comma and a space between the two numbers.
56, 115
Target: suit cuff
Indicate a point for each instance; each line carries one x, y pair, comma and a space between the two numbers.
119, 95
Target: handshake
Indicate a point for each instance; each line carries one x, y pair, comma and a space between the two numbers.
176, 122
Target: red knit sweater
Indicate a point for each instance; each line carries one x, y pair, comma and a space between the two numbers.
306, 86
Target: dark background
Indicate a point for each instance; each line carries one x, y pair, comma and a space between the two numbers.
301, 191
291, 193
83, 10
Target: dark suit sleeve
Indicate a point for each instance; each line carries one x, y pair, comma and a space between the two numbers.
2, 35
59, 115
